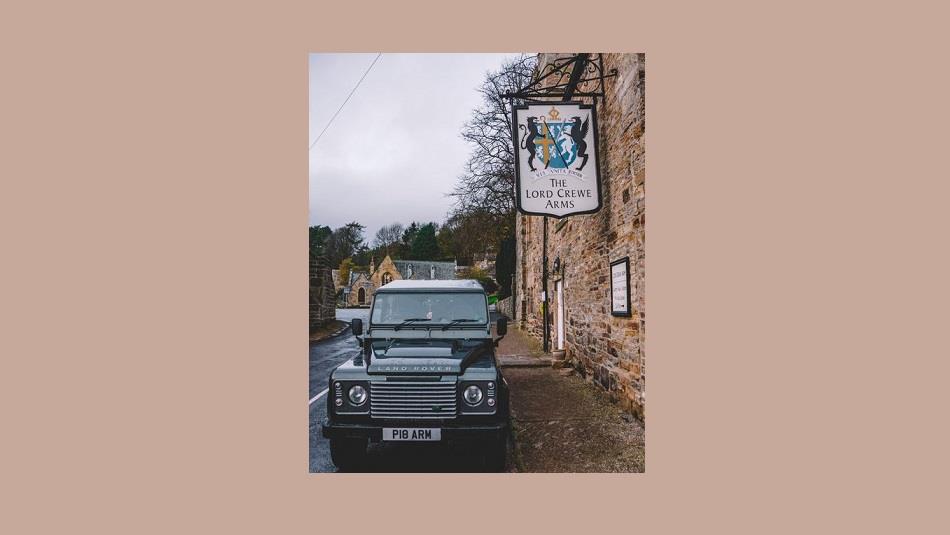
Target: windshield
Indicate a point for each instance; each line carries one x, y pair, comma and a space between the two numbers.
429, 308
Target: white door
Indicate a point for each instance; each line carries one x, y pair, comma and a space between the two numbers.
559, 290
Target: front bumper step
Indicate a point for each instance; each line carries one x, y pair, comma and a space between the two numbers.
374, 432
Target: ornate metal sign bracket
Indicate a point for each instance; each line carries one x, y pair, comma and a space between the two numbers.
581, 75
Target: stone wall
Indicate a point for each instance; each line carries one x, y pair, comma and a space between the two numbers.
387, 271
322, 292
366, 284
504, 307
604, 348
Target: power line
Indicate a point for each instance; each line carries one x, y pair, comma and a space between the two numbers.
345, 101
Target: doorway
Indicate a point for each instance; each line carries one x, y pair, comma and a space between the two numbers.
361, 296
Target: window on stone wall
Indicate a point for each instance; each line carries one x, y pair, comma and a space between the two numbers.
387, 278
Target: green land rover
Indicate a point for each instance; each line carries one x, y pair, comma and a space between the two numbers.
426, 373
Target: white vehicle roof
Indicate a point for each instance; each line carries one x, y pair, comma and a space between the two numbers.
460, 284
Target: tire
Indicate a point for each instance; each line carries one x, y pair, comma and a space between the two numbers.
494, 457
348, 454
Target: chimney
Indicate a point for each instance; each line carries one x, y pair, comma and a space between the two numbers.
372, 265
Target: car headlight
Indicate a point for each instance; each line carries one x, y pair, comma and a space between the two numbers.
472, 395
357, 395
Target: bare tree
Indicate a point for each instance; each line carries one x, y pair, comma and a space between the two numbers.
468, 236
488, 182
388, 236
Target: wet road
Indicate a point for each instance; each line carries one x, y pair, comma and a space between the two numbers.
324, 357
327, 355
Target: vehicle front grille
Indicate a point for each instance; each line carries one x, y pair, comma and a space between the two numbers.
410, 400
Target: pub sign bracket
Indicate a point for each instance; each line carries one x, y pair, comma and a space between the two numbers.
580, 75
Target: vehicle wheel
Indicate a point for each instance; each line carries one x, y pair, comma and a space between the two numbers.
348, 454
495, 455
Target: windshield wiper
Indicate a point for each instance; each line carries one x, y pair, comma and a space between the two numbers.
455, 322
409, 321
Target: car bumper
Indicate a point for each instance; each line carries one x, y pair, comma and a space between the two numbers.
454, 433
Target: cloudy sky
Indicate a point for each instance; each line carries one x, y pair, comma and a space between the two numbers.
394, 151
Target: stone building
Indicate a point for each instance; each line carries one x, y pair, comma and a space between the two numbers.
361, 289
605, 348
362, 285
486, 263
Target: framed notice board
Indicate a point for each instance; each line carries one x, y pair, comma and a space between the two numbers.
620, 287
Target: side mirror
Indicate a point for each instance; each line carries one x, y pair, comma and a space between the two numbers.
356, 325
501, 329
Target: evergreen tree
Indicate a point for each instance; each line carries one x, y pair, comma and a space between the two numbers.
424, 245
409, 234
318, 238
344, 242
402, 250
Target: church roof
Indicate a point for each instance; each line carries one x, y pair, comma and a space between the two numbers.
424, 269
355, 275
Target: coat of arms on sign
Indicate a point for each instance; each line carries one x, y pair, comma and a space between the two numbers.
556, 158
556, 142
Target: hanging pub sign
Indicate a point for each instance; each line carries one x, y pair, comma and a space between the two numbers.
557, 171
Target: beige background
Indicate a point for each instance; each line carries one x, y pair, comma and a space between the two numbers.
154, 205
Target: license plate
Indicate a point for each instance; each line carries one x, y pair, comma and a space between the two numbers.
403, 433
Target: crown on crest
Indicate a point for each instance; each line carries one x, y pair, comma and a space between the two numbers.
554, 114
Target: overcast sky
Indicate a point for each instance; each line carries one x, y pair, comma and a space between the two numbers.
394, 151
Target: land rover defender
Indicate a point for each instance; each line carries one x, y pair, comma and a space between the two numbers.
426, 372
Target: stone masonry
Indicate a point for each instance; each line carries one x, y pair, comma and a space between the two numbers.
362, 286
607, 350
504, 307
322, 292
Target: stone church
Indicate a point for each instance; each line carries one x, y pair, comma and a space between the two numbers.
359, 289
